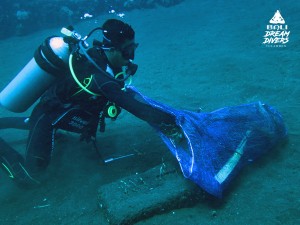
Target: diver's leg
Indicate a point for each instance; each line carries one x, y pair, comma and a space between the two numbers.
40, 144
14, 122
27, 172
12, 163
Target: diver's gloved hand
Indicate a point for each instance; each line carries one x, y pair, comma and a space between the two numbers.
174, 133
88, 133
87, 136
171, 131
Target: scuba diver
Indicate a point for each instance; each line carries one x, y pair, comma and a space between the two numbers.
89, 86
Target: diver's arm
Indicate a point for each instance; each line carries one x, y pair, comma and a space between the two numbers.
134, 104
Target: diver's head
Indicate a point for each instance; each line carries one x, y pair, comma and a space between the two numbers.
118, 42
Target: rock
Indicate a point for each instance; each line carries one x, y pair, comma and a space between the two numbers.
140, 196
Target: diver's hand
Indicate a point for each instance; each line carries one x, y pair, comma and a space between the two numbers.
175, 135
172, 131
87, 136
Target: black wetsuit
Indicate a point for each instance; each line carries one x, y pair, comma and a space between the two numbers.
66, 106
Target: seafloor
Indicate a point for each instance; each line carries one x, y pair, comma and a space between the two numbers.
198, 54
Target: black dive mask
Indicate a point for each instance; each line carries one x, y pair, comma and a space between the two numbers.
128, 51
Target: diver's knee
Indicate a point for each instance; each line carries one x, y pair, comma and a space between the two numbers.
36, 164
19, 174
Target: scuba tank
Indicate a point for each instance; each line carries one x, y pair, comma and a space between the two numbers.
48, 63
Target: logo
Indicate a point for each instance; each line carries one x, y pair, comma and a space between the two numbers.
277, 33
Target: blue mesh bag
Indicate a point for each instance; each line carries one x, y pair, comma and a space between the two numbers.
216, 145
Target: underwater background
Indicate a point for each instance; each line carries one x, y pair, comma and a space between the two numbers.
193, 54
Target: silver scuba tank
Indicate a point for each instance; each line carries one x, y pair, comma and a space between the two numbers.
49, 63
